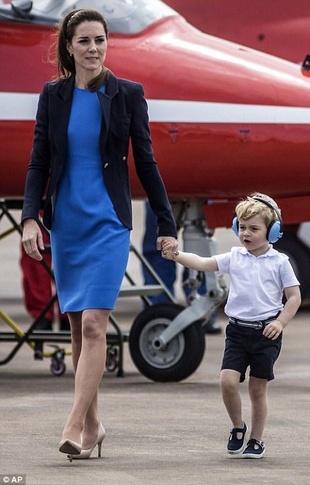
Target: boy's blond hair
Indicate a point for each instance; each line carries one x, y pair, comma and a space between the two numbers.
251, 207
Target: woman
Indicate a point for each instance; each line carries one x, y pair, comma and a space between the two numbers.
84, 123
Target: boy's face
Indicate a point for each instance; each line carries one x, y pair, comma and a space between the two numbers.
253, 235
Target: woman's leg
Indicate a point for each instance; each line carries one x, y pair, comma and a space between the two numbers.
89, 354
75, 320
258, 395
91, 423
92, 420
229, 383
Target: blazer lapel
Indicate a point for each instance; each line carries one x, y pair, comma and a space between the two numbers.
60, 108
106, 101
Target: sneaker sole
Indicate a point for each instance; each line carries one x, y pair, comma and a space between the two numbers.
253, 455
237, 452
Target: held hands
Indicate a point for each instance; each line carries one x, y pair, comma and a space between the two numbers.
169, 246
32, 239
273, 330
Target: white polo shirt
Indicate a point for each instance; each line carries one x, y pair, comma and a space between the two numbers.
256, 283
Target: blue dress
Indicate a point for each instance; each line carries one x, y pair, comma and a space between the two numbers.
90, 245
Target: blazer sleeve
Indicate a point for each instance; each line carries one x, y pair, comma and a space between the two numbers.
146, 165
39, 165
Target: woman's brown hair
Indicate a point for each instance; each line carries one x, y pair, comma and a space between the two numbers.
67, 28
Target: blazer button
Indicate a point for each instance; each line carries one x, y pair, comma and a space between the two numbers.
124, 159
105, 165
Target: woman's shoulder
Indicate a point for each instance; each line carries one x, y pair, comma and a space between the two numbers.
55, 84
125, 84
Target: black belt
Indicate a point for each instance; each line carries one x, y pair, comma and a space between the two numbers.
257, 324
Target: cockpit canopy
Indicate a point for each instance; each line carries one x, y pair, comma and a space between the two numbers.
122, 16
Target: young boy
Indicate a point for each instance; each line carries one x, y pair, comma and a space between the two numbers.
257, 316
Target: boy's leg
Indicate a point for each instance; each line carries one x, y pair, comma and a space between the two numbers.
258, 395
229, 382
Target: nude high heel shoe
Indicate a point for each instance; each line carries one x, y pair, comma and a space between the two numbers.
85, 454
68, 446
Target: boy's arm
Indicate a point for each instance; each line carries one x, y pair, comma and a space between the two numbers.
190, 260
293, 300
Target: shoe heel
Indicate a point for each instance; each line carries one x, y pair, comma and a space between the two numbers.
99, 448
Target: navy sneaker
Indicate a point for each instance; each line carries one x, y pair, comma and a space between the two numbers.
254, 449
236, 442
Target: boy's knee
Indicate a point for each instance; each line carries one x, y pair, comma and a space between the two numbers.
257, 387
229, 380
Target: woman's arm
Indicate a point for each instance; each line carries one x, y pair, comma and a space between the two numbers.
146, 165
38, 168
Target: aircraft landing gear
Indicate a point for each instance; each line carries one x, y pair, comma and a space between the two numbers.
173, 361
167, 341
299, 258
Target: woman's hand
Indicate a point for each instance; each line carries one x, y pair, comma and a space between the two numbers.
169, 242
32, 239
168, 247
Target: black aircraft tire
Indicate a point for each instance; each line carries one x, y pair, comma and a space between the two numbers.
300, 260
182, 355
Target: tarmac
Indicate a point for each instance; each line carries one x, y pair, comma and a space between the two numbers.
163, 434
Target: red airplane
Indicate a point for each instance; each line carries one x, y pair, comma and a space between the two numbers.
280, 28
226, 121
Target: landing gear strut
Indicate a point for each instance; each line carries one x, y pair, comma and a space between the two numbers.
167, 341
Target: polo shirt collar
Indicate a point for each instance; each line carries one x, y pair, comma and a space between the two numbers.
271, 252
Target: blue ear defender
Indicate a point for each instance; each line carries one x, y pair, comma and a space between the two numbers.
275, 228
235, 225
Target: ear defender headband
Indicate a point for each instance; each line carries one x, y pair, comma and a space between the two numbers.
275, 228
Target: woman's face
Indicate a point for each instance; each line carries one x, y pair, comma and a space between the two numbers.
88, 47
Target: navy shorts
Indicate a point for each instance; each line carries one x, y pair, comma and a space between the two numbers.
248, 347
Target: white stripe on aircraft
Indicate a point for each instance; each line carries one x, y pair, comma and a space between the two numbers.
23, 106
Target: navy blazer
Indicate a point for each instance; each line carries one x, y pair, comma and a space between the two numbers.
124, 119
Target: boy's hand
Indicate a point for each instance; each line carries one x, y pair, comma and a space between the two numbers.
273, 329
